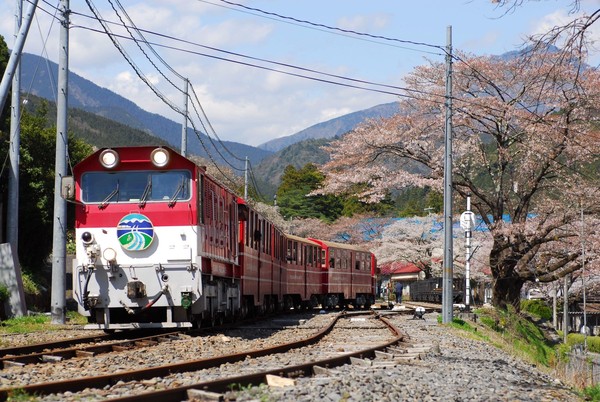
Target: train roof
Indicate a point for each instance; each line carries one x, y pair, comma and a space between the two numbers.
340, 245
302, 239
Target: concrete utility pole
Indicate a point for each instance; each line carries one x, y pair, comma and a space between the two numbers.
185, 116
15, 54
59, 242
12, 224
448, 273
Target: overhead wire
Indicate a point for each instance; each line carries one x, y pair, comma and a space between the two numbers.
307, 70
126, 26
129, 60
332, 28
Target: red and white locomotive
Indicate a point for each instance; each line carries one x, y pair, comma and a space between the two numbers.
160, 243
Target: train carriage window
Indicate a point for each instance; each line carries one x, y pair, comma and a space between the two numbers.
323, 257
133, 186
288, 251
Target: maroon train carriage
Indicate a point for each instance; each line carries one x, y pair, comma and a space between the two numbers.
350, 275
304, 277
262, 262
160, 243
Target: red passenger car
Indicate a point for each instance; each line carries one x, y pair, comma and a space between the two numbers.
350, 275
303, 280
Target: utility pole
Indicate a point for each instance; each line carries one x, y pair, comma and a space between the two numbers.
59, 242
12, 224
185, 116
246, 180
448, 274
15, 54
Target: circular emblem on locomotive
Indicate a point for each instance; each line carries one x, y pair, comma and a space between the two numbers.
135, 232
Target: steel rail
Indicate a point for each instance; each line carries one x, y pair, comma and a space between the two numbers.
223, 385
39, 347
89, 351
101, 381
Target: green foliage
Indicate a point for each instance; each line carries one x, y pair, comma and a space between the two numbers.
39, 322
19, 395
37, 178
29, 284
4, 293
353, 206
419, 202
4, 56
537, 308
523, 336
292, 197
28, 323
592, 393
593, 342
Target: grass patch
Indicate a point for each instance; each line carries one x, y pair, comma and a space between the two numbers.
18, 395
512, 332
537, 308
38, 322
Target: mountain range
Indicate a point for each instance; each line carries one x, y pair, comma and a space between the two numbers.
269, 159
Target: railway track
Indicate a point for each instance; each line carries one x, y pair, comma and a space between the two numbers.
144, 380
80, 347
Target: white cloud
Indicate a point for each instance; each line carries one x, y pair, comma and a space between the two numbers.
364, 23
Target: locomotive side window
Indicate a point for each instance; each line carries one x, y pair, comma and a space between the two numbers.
107, 187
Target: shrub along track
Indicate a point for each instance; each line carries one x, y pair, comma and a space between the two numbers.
152, 375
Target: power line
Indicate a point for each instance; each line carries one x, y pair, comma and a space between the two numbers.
331, 28
129, 60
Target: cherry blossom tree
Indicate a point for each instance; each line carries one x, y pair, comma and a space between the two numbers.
420, 241
525, 134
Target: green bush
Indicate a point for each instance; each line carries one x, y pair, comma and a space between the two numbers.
593, 342
537, 308
4, 293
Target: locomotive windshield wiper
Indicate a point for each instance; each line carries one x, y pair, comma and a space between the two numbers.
104, 202
146, 193
173, 199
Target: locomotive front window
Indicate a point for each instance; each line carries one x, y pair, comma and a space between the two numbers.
109, 187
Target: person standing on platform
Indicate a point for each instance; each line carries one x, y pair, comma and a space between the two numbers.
398, 292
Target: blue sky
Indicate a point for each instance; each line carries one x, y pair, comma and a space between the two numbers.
252, 106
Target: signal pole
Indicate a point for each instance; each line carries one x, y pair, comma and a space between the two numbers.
467, 221
448, 274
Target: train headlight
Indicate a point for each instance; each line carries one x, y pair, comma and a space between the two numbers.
87, 238
160, 157
109, 255
109, 158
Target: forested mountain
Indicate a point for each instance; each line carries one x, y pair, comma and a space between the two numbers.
103, 118
39, 77
95, 130
299, 154
332, 128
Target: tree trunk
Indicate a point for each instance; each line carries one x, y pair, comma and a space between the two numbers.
507, 292
506, 283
